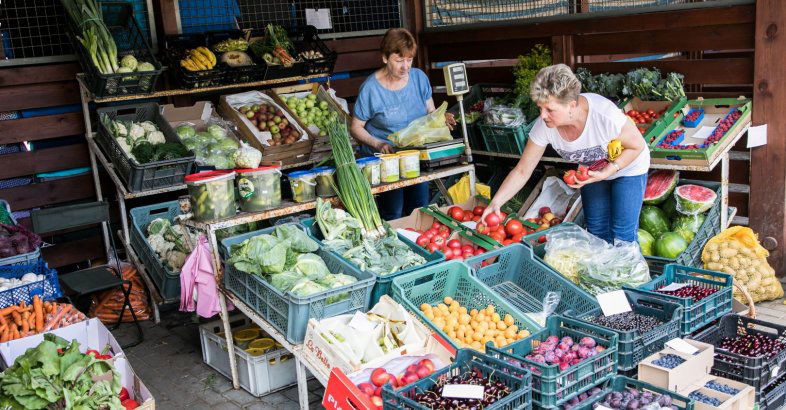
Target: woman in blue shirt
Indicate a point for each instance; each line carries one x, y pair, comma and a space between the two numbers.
388, 101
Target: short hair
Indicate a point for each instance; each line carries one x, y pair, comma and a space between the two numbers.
556, 81
398, 41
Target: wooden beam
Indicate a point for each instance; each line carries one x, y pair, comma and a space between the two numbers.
355, 44
501, 75
712, 71
71, 252
38, 74
729, 36
483, 50
40, 128
45, 160
20, 97
347, 88
562, 50
768, 162
363, 60
167, 16
50, 192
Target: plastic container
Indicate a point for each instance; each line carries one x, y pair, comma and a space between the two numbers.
550, 386
409, 164
622, 384
304, 186
696, 122
467, 361
325, 177
695, 315
389, 168
212, 195
46, 289
773, 396
259, 188
264, 343
504, 139
243, 337
167, 281
371, 168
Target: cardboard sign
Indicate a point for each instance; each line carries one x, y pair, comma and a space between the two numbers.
612, 303
682, 346
463, 391
674, 286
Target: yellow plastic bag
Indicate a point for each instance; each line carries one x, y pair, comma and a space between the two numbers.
737, 251
424, 130
459, 192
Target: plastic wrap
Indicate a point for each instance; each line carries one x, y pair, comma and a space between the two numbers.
424, 130
550, 303
106, 306
499, 114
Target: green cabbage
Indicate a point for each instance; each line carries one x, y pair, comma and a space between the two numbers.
216, 131
311, 266
185, 131
298, 239
305, 287
226, 144
284, 281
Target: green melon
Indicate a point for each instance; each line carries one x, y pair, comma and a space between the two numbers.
653, 220
660, 185
670, 208
694, 199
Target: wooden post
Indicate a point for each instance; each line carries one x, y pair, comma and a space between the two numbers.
768, 163
415, 23
167, 16
562, 50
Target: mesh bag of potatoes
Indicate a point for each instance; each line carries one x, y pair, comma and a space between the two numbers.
737, 251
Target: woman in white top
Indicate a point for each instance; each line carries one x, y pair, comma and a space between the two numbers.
579, 127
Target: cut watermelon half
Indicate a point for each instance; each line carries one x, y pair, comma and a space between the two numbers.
694, 199
660, 184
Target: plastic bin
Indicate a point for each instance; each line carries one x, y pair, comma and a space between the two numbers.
635, 346
477, 94
773, 396
758, 372
142, 177
287, 313
551, 387
694, 123
432, 284
695, 315
46, 289
167, 282
522, 280
258, 375
311, 42
518, 380
506, 140
176, 48
383, 285
622, 383
212, 195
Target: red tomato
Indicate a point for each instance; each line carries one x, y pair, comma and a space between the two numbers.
448, 253
456, 213
479, 251
492, 219
444, 235
507, 242
467, 255
476, 218
444, 228
468, 213
478, 210
454, 243
502, 216
467, 248
501, 228
514, 227
436, 225
632, 113
498, 236
650, 112
517, 238
481, 228
466, 218
423, 240
433, 247
439, 240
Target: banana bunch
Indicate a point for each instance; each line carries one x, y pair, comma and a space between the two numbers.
615, 149
198, 59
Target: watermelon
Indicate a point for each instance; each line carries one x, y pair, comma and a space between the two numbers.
670, 208
686, 234
689, 222
670, 245
653, 220
660, 184
694, 199
645, 242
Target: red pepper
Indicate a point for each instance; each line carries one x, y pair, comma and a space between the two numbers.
94, 353
129, 404
124, 395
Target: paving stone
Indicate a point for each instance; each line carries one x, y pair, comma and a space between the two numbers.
259, 406
226, 406
291, 393
239, 396
275, 398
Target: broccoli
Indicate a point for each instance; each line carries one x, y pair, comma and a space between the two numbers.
169, 150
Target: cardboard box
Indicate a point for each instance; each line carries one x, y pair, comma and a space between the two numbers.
743, 400
530, 207
198, 114
91, 334
683, 376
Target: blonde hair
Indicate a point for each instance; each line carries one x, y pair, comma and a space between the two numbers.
556, 81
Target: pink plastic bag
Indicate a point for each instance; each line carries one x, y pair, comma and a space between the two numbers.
198, 287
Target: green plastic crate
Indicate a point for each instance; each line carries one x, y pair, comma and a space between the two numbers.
635, 346
167, 282
432, 284
467, 360
656, 128
622, 383
695, 315
551, 387
478, 92
506, 140
521, 279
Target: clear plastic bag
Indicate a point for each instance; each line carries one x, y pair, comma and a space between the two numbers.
500, 114
424, 130
550, 303
594, 264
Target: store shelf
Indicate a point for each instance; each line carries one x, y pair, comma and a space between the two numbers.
171, 93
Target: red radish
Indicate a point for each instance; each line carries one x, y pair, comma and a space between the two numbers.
422, 371
570, 177
454, 243
543, 211
379, 376
478, 210
492, 220
583, 173
366, 388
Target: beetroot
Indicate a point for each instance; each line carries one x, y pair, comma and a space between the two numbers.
587, 342
567, 340
7, 251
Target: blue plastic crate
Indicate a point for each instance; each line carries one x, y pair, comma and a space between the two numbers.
167, 281
384, 283
622, 384
695, 123
695, 315
287, 313
47, 289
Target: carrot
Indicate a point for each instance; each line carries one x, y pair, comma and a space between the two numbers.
25, 321
17, 318
4, 336
9, 310
15, 334
57, 317
39, 313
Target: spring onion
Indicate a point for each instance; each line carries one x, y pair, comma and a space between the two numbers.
95, 38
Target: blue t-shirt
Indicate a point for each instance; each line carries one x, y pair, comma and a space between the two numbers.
386, 111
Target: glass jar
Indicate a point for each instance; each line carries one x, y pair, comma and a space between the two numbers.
304, 186
325, 177
212, 194
259, 188
409, 164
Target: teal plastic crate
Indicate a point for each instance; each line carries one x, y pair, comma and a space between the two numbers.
635, 346
432, 284
695, 315
287, 313
468, 361
622, 384
551, 387
521, 279
167, 281
383, 283
506, 140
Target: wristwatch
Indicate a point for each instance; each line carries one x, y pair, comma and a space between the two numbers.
615, 165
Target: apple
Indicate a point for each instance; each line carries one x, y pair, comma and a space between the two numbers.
379, 376
274, 129
548, 216
262, 126
428, 364
377, 401
249, 114
410, 378
244, 109
255, 107
366, 388
276, 119
284, 122
411, 369
423, 371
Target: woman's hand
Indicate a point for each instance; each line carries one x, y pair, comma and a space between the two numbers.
596, 176
383, 147
450, 120
493, 207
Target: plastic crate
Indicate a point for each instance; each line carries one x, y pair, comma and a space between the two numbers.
29, 258
287, 313
754, 371
551, 387
432, 284
241, 74
467, 360
477, 93
167, 282
176, 48
142, 177
773, 396
311, 41
119, 19
383, 285
697, 121
635, 346
695, 315
46, 289
258, 375
524, 281
622, 383
506, 140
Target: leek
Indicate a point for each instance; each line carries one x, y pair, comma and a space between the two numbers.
95, 36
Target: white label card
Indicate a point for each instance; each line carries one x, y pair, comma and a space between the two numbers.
361, 323
463, 391
319, 18
412, 236
612, 303
470, 224
674, 286
682, 346
774, 371
757, 136
602, 407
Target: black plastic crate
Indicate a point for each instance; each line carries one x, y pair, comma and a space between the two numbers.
119, 19
274, 72
310, 41
773, 396
237, 75
142, 177
754, 371
477, 93
176, 49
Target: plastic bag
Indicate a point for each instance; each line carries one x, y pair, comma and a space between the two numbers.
550, 303
106, 306
459, 192
424, 130
499, 114
594, 264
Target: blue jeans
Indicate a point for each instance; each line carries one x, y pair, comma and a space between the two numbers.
612, 208
401, 202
